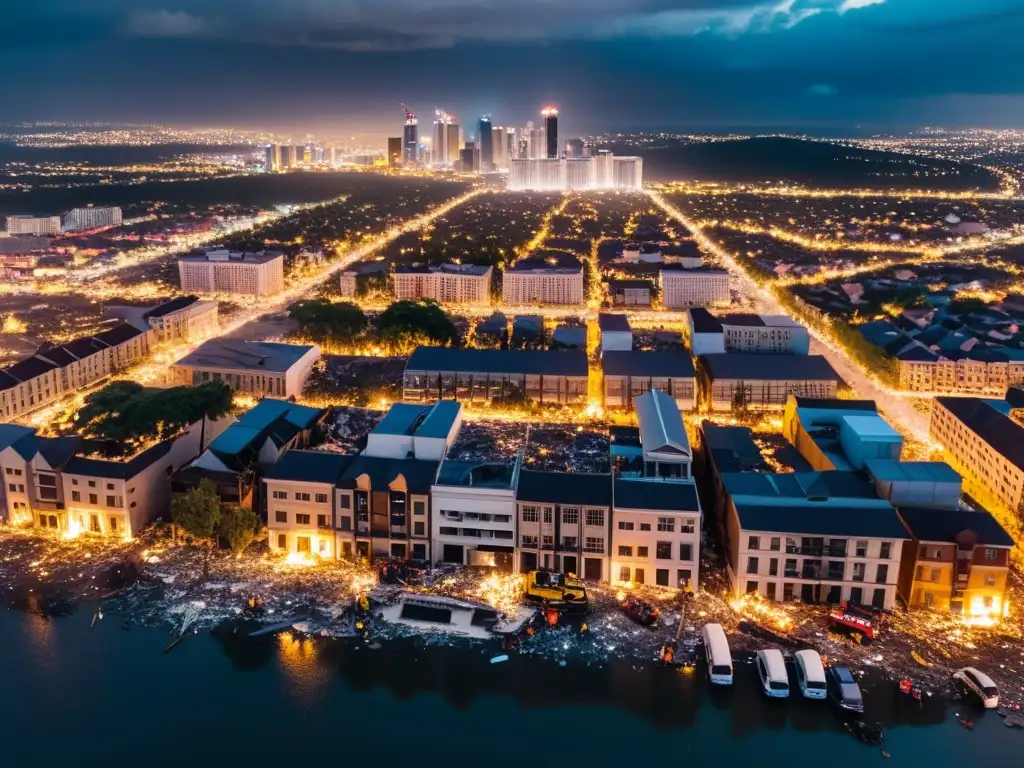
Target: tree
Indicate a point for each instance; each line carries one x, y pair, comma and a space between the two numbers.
405, 320
198, 514
321, 320
239, 526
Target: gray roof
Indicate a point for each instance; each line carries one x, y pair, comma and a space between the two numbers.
533, 361
310, 467
477, 474
652, 364
583, 488
168, 307
448, 268
828, 519
419, 475
233, 354
607, 321
703, 321
757, 367
261, 257
401, 419
946, 524
732, 448
656, 494
438, 422
830, 484
1002, 433
119, 470
661, 424
922, 471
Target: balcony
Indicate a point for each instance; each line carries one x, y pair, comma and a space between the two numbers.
791, 573
834, 551
809, 551
834, 575
568, 546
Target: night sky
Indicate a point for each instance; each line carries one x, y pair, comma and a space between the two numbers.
607, 64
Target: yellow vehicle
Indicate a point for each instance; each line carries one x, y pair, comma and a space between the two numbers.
555, 590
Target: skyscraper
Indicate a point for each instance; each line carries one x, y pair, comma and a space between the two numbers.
486, 143
395, 151
441, 122
550, 115
270, 158
411, 138
454, 142
500, 144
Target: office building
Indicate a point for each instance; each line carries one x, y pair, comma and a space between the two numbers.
449, 283
454, 140
223, 271
270, 158
395, 151
741, 381
486, 142
631, 374
768, 334
38, 226
469, 161
578, 173
348, 285
550, 115
256, 367
545, 277
983, 443
410, 139
684, 288
183, 319
484, 375
78, 219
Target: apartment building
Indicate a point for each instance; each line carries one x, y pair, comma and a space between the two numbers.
564, 521
486, 375
348, 285
302, 502
447, 283
839, 434
956, 560
546, 277
183, 319
684, 288
37, 226
55, 371
983, 372
616, 335
747, 333
222, 271
78, 219
739, 381
628, 375
986, 446
630, 293
257, 367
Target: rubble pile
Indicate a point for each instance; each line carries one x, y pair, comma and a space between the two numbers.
488, 441
355, 380
348, 428
566, 448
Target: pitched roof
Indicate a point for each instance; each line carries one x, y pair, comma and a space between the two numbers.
12, 433
655, 494
119, 334
168, 307
310, 467
661, 424
583, 488
641, 363
119, 470
234, 354
758, 367
29, 368
1002, 433
946, 524
419, 474
828, 519
57, 450
533, 361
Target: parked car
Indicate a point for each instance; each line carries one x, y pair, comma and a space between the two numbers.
843, 690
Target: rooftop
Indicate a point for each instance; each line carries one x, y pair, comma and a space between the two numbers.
661, 424
382, 472
824, 520
536, 362
168, 307
448, 268
656, 495
607, 321
476, 474
548, 261
233, 354
769, 367
223, 256
119, 470
1002, 433
577, 488
439, 421
946, 525
732, 448
794, 487
402, 419
912, 471
310, 467
641, 363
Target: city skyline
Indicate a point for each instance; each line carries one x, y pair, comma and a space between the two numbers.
620, 66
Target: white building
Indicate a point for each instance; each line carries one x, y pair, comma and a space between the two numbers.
39, 226
303, 502
91, 218
450, 283
183, 319
694, 288
741, 332
604, 171
257, 367
546, 277
616, 335
423, 432
223, 271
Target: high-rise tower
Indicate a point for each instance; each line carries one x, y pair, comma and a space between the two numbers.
486, 142
550, 115
411, 138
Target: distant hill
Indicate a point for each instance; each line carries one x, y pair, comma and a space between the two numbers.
812, 163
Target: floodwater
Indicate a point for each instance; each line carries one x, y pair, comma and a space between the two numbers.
71, 695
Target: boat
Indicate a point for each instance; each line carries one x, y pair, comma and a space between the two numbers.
639, 610
860, 623
466, 618
980, 684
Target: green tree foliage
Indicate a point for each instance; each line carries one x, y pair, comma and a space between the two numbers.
407, 321
320, 320
124, 414
239, 526
198, 514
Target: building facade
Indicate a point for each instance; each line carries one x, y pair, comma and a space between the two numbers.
684, 288
923, 371
628, 375
257, 367
753, 381
38, 226
560, 174
447, 283
185, 319
746, 333
91, 218
473, 513
544, 278
222, 271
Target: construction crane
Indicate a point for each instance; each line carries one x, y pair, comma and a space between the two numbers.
410, 117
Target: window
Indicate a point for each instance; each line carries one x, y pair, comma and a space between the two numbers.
321, 521
753, 542
548, 542
345, 522
638, 576
885, 551
663, 550
683, 577
76, 496
751, 589
624, 573
858, 571
878, 598
92, 483
301, 519
625, 551
991, 554
595, 517
110, 501
625, 526
302, 544
773, 567
419, 508
346, 501
282, 541
856, 595
775, 545
787, 593
94, 523
593, 544
752, 565
94, 499
645, 526
529, 541
666, 525
990, 579
547, 515
418, 529
661, 577
531, 515
882, 574
280, 494
686, 552
302, 497
687, 526
642, 551
113, 525
771, 590
280, 516
861, 550
934, 574
321, 498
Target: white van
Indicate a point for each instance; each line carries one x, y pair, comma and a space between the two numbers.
716, 647
810, 674
981, 684
771, 668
